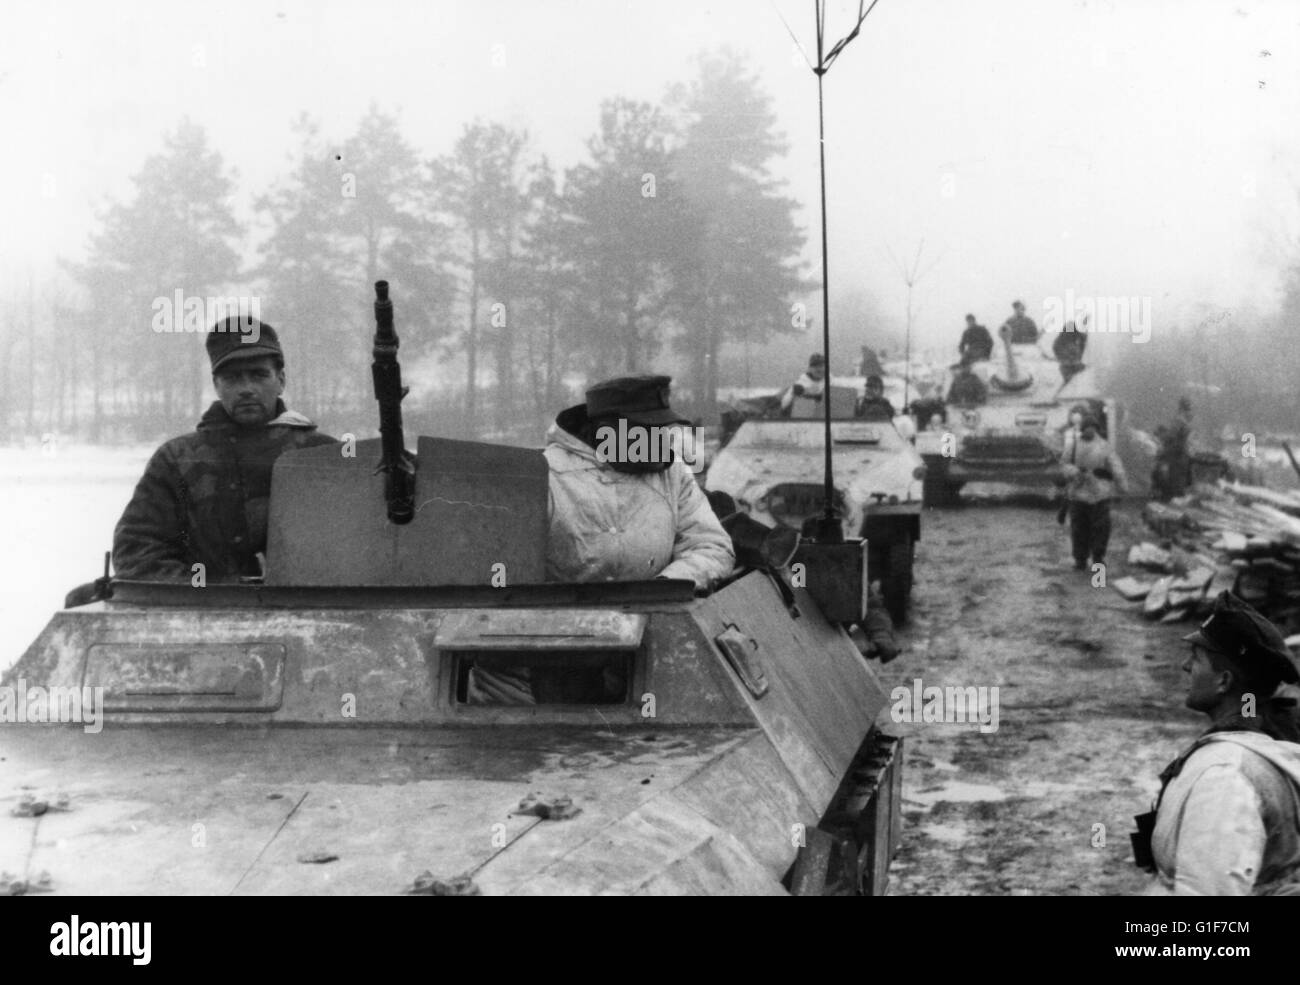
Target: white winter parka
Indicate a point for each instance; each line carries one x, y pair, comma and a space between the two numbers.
1229, 822
608, 525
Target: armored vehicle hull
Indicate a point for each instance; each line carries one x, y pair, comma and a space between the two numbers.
276, 740
772, 469
1014, 435
401, 704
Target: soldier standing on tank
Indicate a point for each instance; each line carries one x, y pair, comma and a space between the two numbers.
1068, 347
976, 343
1021, 327
204, 497
1227, 822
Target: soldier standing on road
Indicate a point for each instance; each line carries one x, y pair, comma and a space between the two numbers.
1069, 452
1173, 471
1227, 822
1094, 474
204, 496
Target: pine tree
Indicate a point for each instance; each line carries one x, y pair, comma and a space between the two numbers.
311, 286
481, 192
178, 233
625, 213
736, 265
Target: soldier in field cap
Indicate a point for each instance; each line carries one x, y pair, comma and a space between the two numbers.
203, 498
624, 506
1227, 822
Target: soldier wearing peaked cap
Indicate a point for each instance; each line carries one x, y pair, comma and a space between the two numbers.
204, 496
622, 510
1227, 822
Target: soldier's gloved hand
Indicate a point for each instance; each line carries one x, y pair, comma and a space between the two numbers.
1071, 472
797, 389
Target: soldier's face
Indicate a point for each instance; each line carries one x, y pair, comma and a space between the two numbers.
248, 390
1203, 681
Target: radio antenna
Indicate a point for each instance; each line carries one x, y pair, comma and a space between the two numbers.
828, 529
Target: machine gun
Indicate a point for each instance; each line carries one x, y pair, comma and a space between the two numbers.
481, 507
396, 463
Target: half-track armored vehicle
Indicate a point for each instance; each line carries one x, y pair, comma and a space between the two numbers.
772, 466
1003, 420
320, 730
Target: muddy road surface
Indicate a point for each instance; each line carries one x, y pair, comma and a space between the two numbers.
1089, 709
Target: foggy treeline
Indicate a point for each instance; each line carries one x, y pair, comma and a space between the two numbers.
1239, 368
672, 236
669, 244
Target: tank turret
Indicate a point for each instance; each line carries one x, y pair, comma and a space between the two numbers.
1005, 423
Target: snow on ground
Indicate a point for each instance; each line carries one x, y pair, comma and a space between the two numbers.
1090, 709
62, 502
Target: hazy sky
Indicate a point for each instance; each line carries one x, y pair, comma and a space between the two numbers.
1144, 147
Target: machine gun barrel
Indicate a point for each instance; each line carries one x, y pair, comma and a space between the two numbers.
396, 463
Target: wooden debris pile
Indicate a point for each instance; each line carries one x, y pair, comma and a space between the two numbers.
1233, 536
